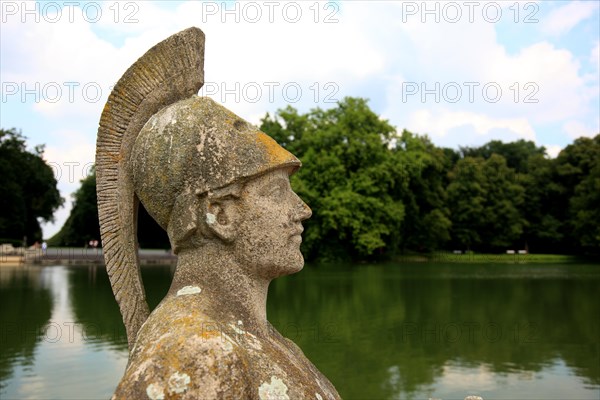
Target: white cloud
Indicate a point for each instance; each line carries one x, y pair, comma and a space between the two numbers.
576, 129
548, 83
424, 121
60, 216
74, 65
539, 83
552, 150
281, 52
71, 63
369, 52
595, 56
563, 19
71, 157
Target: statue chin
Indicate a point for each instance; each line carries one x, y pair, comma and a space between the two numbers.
294, 265
275, 267
292, 262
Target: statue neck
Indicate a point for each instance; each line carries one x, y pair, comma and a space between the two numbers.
229, 292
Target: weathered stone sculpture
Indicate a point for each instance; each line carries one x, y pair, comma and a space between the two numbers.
220, 188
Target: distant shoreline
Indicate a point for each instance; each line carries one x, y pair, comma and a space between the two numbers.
80, 255
471, 257
92, 256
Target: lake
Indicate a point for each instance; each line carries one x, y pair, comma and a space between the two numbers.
404, 331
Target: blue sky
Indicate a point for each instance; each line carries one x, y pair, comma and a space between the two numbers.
461, 72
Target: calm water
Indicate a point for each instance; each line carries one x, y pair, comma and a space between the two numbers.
378, 332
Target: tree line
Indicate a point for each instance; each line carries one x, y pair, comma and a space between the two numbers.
82, 224
28, 192
376, 192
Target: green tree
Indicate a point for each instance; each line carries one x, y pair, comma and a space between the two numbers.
83, 225
484, 200
543, 230
426, 225
347, 178
585, 210
576, 174
503, 222
578, 170
28, 189
287, 128
466, 200
534, 172
516, 153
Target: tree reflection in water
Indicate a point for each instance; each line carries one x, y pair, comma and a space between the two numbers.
375, 330
385, 331
26, 306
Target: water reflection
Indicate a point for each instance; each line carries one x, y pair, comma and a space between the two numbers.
403, 331
95, 308
429, 330
62, 364
26, 303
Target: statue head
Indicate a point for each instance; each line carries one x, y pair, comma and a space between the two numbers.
221, 190
214, 182
203, 174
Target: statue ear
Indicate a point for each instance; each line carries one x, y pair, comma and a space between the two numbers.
221, 218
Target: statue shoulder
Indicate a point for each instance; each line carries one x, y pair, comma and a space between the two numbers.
186, 356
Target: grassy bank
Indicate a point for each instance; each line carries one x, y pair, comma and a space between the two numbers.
481, 258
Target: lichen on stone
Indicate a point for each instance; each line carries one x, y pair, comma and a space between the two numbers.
178, 382
188, 290
239, 331
155, 391
275, 390
210, 218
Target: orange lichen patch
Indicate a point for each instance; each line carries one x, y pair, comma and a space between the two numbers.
107, 108
277, 154
230, 118
210, 334
187, 321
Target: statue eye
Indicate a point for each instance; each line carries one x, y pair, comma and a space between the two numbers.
276, 189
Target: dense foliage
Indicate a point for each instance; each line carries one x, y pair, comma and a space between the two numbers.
83, 226
376, 192
28, 192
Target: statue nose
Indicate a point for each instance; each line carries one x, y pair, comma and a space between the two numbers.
303, 211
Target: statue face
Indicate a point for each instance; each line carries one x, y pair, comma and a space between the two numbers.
269, 232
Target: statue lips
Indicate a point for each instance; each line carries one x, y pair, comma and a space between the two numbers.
296, 235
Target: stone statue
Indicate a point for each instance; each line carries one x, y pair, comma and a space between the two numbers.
220, 188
